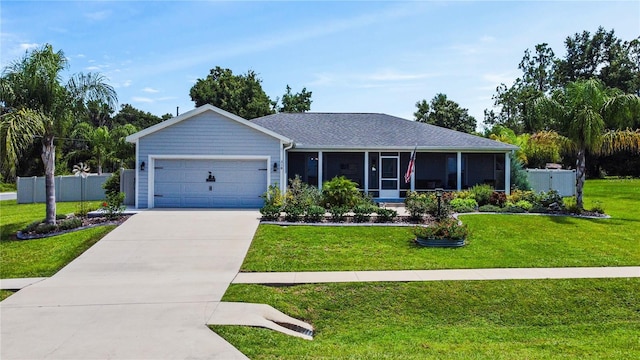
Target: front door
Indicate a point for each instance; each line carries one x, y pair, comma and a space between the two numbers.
389, 177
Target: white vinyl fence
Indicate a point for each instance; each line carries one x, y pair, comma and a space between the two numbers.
68, 188
563, 181
128, 185
72, 188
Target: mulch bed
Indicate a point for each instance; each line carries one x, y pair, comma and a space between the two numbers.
87, 223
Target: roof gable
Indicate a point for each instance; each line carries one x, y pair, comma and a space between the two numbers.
371, 131
197, 111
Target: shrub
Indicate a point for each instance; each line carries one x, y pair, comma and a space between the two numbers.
273, 196
315, 213
69, 224
113, 206
489, 208
597, 207
32, 226
417, 204
463, 205
513, 209
570, 205
43, 228
362, 212
497, 198
517, 195
386, 215
445, 229
112, 184
338, 213
301, 194
549, 198
442, 213
340, 191
482, 193
270, 212
464, 194
293, 212
519, 177
539, 209
524, 204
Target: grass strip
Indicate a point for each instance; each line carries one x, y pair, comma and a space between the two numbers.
555, 319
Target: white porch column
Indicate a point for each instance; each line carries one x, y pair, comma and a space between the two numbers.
459, 171
320, 170
366, 172
507, 174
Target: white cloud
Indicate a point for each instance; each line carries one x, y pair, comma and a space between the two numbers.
140, 99
92, 68
378, 78
98, 15
28, 46
503, 78
150, 90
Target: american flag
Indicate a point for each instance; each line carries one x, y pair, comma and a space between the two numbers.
412, 161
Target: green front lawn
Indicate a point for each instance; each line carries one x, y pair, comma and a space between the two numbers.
495, 241
40, 257
512, 319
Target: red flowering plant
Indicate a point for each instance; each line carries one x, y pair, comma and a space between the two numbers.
114, 206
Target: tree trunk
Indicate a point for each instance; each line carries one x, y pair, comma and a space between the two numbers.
580, 176
49, 161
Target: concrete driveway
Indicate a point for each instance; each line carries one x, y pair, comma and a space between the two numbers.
145, 291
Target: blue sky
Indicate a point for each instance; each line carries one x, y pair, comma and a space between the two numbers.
358, 56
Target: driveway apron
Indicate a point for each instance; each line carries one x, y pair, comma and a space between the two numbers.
145, 291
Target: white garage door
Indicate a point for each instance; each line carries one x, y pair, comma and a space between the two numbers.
183, 183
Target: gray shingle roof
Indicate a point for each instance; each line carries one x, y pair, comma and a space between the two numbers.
371, 131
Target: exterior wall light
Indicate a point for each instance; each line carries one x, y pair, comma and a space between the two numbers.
142, 164
275, 166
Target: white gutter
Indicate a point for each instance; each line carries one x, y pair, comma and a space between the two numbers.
283, 164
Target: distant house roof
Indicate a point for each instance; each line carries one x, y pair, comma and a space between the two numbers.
371, 131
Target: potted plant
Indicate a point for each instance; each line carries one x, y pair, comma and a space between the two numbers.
445, 233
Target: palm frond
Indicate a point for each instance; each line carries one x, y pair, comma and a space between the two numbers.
17, 132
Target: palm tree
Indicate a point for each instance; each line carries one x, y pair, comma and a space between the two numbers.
103, 145
33, 85
582, 111
17, 131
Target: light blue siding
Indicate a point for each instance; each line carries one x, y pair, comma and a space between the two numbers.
205, 134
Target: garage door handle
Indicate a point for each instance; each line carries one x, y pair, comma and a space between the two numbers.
262, 169
158, 195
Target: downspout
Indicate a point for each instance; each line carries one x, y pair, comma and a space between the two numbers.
283, 164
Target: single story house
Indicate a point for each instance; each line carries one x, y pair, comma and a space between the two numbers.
208, 157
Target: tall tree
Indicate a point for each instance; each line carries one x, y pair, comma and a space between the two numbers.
601, 55
35, 83
138, 118
582, 109
294, 103
537, 69
445, 113
241, 95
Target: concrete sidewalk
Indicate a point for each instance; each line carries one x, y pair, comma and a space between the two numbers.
289, 278
145, 291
